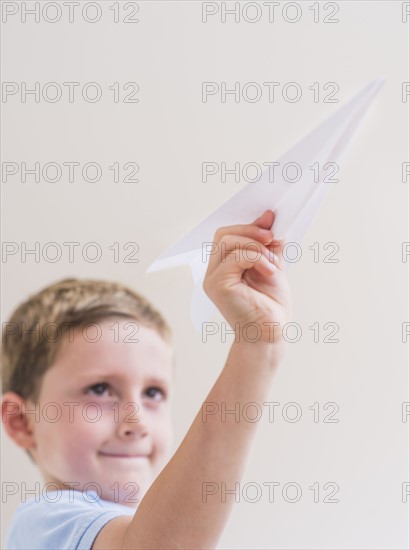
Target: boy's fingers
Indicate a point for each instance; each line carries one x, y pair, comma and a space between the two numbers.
265, 220
260, 229
258, 232
234, 265
250, 231
234, 248
277, 247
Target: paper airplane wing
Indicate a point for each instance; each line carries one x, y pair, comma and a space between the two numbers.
295, 203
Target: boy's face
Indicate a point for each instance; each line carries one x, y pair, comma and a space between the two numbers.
114, 399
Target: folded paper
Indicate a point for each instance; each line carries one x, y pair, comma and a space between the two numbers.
316, 158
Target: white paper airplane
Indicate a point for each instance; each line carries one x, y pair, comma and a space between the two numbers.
295, 204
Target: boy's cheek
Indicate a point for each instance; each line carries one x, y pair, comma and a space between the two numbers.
165, 440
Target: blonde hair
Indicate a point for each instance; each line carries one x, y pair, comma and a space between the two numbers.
27, 348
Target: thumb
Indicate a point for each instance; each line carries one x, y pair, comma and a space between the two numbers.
265, 221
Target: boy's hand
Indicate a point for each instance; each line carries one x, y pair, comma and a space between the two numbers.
242, 284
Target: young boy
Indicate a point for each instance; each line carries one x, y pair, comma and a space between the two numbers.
89, 400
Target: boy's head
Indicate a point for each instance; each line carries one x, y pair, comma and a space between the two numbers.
87, 373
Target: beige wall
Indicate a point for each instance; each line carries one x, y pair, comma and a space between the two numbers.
169, 133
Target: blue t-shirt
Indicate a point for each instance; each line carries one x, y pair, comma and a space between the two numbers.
65, 519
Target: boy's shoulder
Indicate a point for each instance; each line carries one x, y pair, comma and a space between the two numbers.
62, 519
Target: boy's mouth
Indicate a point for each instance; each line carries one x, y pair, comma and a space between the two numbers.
123, 455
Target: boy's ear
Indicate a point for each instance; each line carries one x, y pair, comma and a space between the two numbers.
17, 418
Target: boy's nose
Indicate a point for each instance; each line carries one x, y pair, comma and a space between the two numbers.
131, 421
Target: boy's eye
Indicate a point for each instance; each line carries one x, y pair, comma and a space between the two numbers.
156, 393
99, 388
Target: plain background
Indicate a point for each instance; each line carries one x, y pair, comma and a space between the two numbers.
170, 132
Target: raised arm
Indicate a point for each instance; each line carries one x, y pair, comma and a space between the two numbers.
179, 511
